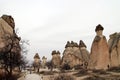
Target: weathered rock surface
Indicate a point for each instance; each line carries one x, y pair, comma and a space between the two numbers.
99, 56
9, 19
72, 57
44, 60
36, 63
6, 33
84, 52
114, 49
75, 54
56, 59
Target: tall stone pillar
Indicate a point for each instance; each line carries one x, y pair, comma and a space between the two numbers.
99, 56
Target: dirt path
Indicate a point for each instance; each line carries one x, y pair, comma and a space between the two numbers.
31, 77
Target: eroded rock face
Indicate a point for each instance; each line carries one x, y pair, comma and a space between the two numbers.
114, 49
6, 33
36, 58
9, 19
72, 57
56, 59
84, 51
75, 54
99, 56
44, 60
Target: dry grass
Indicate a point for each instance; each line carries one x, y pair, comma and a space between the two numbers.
64, 77
94, 78
114, 69
82, 72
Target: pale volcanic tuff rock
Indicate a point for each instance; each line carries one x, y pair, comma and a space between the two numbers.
71, 54
114, 49
99, 56
75, 54
6, 32
84, 51
56, 59
36, 56
9, 19
44, 60
36, 59
9, 40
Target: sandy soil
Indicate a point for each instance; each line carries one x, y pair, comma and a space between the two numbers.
79, 76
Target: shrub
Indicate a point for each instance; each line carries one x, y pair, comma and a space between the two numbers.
99, 71
94, 78
66, 67
114, 69
64, 77
82, 72
77, 67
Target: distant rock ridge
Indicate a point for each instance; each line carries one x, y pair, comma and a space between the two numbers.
114, 49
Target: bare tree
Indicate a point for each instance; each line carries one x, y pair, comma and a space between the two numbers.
11, 58
24, 51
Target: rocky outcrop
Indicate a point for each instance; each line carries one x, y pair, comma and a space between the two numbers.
75, 54
6, 33
56, 59
36, 56
9, 19
71, 55
36, 59
99, 56
114, 49
44, 60
36, 63
9, 40
84, 52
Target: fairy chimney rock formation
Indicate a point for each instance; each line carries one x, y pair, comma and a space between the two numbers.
84, 51
36, 58
75, 54
114, 49
99, 56
56, 59
44, 60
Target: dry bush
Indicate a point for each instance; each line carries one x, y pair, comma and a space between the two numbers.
64, 77
114, 69
82, 72
111, 77
100, 71
46, 72
94, 78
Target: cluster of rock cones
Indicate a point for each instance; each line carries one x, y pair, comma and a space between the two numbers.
103, 55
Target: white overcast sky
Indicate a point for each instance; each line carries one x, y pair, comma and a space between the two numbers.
49, 24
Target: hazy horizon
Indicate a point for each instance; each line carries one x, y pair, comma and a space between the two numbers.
49, 24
